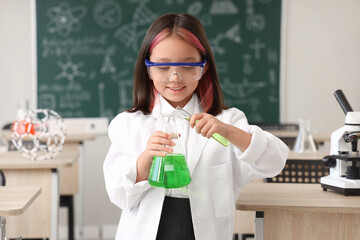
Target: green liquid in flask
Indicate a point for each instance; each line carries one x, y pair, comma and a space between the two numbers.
170, 171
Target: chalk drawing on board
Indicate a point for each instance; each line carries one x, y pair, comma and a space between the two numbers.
255, 23
47, 100
73, 100
257, 46
232, 34
273, 95
250, 10
108, 66
205, 19
272, 76
103, 112
140, 35
125, 94
272, 56
243, 89
64, 20
252, 102
247, 68
116, 77
107, 14
264, 1
254, 114
224, 7
92, 75
173, 2
124, 88
222, 67
70, 70
195, 8
127, 33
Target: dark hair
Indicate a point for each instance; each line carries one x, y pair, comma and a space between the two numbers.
208, 90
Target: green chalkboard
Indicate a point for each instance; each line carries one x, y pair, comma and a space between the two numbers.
86, 51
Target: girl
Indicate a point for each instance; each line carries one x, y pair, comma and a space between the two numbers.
175, 67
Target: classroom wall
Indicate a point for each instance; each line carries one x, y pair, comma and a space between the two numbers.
322, 54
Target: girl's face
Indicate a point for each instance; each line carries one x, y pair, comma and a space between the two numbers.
174, 49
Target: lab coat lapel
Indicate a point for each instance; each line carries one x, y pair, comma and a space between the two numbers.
196, 145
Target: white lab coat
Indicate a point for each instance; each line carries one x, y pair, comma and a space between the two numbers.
218, 174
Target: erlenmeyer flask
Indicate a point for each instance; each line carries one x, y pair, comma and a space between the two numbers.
304, 141
172, 170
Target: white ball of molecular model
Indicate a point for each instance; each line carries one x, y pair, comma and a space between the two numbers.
39, 134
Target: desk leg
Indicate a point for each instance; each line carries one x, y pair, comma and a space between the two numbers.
2, 228
81, 192
55, 204
259, 225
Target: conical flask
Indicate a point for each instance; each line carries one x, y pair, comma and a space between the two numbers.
304, 141
170, 171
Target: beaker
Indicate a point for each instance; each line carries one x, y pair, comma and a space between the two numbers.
304, 141
170, 171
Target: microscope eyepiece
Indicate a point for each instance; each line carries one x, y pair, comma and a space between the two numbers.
344, 104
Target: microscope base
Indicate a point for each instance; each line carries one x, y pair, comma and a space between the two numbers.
342, 185
344, 191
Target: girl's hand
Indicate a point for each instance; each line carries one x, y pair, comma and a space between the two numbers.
159, 144
206, 125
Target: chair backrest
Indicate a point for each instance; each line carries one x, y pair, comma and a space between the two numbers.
7, 126
2, 179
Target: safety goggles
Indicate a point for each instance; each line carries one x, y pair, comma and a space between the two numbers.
164, 72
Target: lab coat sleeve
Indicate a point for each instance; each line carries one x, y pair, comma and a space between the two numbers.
120, 165
265, 156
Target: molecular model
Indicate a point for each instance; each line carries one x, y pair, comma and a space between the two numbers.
39, 134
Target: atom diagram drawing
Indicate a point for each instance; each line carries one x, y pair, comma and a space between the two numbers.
64, 20
107, 13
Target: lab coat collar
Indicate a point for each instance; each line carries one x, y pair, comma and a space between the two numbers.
196, 141
162, 106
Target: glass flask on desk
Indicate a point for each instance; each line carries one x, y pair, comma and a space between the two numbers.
4, 144
304, 142
170, 171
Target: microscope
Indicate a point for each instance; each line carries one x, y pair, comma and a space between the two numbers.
344, 158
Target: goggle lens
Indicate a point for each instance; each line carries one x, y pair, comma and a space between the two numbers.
164, 72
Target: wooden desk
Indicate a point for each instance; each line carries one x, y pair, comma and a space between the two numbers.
318, 137
13, 202
302, 211
308, 156
42, 217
